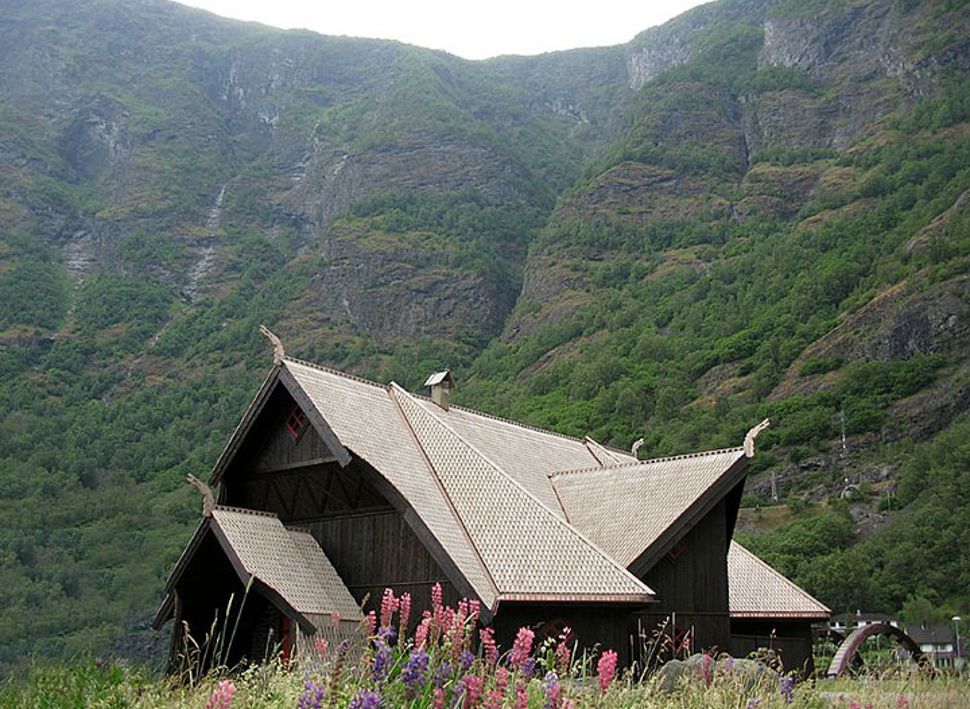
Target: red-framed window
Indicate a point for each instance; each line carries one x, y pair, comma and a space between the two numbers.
296, 423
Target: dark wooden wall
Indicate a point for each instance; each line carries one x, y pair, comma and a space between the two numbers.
692, 587
604, 625
365, 537
790, 639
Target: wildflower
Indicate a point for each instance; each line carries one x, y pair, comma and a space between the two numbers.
439, 698
436, 607
786, 685
705, 668
338, 667
365, 699
902, 702
501, 680
421, 634
405, 614
521, 696
489, 649
522, 647
753, 703
728, 665
442, 675
414, 671
527, 667
563, 653
473, 685
474, 611
381, 663
606, 669
465, 660
312, 697
389, 604
553, 690
853, 704
320, 645
222, 695
371, 620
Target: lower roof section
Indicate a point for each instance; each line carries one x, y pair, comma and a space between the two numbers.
755, 590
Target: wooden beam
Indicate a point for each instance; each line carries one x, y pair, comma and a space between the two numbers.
316, 418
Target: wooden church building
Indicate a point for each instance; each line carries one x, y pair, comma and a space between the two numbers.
333, 488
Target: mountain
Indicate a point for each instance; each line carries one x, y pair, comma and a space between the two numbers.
757, 209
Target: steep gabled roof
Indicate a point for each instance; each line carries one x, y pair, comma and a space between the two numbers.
287, 564
630, 508
531, 552
755, 590
511, 512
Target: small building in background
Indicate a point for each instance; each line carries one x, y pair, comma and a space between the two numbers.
937, 641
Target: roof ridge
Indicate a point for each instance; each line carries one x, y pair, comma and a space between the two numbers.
639, 463
331, 370
780, 575
556, 518
259, 513
459, 407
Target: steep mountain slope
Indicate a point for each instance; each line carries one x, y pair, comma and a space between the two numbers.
757, 209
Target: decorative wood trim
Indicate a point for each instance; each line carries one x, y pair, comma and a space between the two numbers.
288, 467
316, 418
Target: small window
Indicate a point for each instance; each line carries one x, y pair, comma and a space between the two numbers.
296, 424
678, 551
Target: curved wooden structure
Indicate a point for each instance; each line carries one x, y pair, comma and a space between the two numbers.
846, 656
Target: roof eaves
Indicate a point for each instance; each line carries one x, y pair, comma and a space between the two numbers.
801, 591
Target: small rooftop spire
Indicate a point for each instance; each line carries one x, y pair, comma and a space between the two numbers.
278, 352
751, 435
636, 446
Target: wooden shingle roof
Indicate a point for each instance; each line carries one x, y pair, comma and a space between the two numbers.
755, 590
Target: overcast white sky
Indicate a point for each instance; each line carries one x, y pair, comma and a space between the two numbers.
474, 30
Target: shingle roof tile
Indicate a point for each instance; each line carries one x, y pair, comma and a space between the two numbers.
755, 590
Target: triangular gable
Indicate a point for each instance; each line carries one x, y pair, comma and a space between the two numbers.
277, 377
756, 590
363, 417
637, 511
531, 552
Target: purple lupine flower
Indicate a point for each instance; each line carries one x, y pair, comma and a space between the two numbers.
753, 703
381, 664
365, 700
786, 685
312, 697
465, 660
528, 666
443, 675
414, 671
550, 685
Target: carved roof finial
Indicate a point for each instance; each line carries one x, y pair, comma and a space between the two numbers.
751, 435
278, 353
208, 499
636, 446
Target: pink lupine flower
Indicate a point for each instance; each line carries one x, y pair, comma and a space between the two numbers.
606, 670
222, 695
439, 698
489, 649
421, 634
371, 620
405, 613
473, 691
563, 657
521, 696
706, 669
902, 702
389, 604
501, 680
522, 647
320, 645
474, 611
436, 605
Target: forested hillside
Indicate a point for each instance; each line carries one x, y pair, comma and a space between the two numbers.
758, 209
